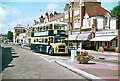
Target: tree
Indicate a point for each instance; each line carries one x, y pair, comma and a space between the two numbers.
10, 35
116, 12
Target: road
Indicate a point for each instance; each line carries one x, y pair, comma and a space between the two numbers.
29, 65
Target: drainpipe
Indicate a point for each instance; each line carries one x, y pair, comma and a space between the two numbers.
118, 40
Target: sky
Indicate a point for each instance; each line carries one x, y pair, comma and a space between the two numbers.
14, 12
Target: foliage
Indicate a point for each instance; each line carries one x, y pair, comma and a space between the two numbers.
116, 11
10, 35
83, 57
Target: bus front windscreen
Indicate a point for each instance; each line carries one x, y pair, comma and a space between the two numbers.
57, 40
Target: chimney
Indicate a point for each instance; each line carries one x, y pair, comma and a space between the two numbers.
95, 24
51, 15
82, 14
41, 19
35, 22
47, 16
55, 13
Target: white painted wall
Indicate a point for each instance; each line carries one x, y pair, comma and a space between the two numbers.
83, 22
76, 25
76, 11
66, 15
22, 37
112, 23
99, 22
71, 13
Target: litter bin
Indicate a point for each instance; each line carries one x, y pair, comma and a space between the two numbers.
73, 54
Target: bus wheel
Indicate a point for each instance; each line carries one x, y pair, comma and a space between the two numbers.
51, 51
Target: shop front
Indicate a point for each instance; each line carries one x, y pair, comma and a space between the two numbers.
105, 39
76, 39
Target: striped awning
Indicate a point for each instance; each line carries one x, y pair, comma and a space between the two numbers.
103, 38
79, 37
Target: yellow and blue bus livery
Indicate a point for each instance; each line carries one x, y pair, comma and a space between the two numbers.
49, 41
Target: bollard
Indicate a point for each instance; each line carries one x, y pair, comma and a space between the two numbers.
73, 54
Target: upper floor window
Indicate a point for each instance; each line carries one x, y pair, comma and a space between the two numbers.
106, 19
66, 12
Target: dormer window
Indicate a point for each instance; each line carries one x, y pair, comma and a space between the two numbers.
106, 19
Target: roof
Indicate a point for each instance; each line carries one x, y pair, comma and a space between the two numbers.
97, 10
90, 1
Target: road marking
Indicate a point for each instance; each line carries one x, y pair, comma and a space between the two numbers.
36, 53
45, 59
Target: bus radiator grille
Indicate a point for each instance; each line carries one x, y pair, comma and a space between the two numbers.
61, 49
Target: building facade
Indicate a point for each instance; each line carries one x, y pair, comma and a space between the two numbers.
86, 19
18, 29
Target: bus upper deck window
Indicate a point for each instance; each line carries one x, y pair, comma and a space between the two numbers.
33, 29
41, 28
38, 28
46, 40
57, 26
42, 40
46, 27
36, 40
63, 26
50, 27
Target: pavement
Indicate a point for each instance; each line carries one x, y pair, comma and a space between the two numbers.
96, 70
105, 69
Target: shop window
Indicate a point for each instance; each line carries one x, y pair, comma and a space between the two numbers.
107, 43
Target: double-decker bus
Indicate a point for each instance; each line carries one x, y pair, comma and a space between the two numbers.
49, 38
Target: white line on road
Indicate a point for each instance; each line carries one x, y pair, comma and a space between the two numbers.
42, 57
45, 59
36, 53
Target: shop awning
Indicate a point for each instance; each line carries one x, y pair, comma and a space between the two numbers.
72, 37
103, 38
84, 36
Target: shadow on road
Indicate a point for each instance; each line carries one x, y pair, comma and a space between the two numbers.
14, 53
10, 66
15, 56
